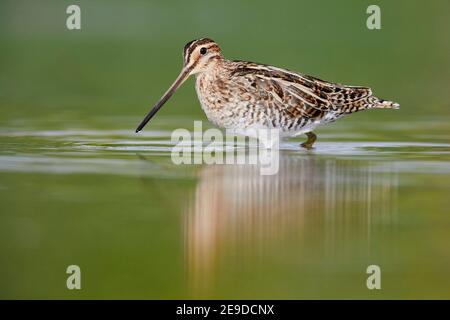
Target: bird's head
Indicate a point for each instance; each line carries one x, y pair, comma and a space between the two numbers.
198, 56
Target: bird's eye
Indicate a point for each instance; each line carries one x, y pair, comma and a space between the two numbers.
203, 50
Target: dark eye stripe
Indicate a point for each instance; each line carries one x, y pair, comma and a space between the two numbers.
190, 47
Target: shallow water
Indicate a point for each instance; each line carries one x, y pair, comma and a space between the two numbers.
139, 226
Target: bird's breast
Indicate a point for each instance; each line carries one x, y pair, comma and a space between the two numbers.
223, 101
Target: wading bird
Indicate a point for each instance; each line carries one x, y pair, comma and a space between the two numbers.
243, 96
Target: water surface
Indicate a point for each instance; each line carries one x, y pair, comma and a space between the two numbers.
139, 226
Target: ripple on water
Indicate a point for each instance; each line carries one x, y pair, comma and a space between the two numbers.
122, 152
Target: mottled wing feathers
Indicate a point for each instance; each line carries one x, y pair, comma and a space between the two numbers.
344, 95
302, 95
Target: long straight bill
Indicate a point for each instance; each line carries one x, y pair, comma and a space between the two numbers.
184, 74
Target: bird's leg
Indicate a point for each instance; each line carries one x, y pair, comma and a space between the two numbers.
308, 144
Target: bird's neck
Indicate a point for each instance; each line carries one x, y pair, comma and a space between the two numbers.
219, 68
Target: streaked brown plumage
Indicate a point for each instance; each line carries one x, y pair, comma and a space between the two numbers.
242, 96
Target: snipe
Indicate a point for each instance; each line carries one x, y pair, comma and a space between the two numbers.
243, 96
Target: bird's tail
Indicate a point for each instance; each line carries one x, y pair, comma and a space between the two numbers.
384, 104
370, 102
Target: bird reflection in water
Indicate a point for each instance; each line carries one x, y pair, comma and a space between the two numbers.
235, 213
